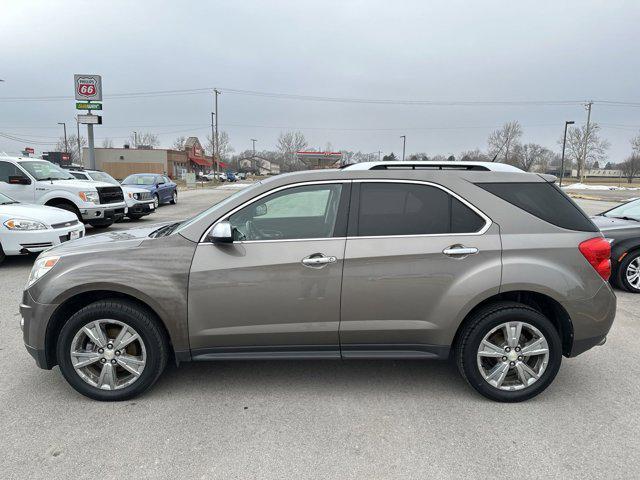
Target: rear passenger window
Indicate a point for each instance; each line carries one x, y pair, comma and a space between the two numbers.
544, 200
9, 170
412, 209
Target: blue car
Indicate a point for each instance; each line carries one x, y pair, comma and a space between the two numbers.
163, 189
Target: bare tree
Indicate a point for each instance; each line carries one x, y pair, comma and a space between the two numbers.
178, 143
578, 139
631, 167
144, 139
107, 143
288, 144
224, 149
635, 143
418, 157
474, 156
502, 141
529, 155
72, 142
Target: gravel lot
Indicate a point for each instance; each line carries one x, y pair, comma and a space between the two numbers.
318, 419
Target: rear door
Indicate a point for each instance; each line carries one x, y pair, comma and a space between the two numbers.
416, 256
274, 291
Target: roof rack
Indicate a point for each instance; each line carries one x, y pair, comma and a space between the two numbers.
431, 165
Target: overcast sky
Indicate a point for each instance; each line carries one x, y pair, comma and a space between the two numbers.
396, 50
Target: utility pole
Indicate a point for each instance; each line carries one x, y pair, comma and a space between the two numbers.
135, 139
217, 145
78, 139
404, 144
586, 140
253, 158
379, 155
66, 145
213, 142
564, 144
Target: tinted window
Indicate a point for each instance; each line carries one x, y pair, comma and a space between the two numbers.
139, 180
9, 170
544, 200
295, 213
411, 209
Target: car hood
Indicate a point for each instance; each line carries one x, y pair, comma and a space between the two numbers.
79, 185
609, 224
128, 189
148, 188
40, 213
109, 241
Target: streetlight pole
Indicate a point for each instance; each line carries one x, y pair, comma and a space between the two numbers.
217, 145
564, 144
404, 144
253, 159
213, 142
66, 145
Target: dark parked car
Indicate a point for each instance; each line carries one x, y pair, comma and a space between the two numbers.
498, 270
163, 189
621, 225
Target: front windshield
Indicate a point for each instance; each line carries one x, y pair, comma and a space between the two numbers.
103, 177
628, 210
4, 200
221, 203
139, 180
43, 170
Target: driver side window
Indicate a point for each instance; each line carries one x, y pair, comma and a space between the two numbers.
308, 211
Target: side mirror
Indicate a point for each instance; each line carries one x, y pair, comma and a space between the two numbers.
261, 210
160, 183
19, 180
221, 233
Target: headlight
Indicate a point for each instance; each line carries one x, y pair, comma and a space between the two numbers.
40, 268
23, 224
136, 196
92, 197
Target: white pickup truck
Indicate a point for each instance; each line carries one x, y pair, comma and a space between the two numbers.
31, 180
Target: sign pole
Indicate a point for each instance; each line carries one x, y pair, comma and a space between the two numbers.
92, 152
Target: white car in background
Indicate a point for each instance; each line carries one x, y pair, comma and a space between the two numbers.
28, 228
140, 202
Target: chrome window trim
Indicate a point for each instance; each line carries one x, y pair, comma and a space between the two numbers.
482, 231
275, 190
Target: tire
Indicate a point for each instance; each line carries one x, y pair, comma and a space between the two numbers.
630, 262
2, 255
101, 225
174, 197
486, 320
141, 321
156, 201
69, 208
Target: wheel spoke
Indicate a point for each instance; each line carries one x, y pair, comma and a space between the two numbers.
498, 373
95, 334
490, 350
107, 380
535, 348
124, 338
525, 372
131, 364
512, 333
82, 359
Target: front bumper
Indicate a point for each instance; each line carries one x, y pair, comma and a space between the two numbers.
34, 320
591, 319
140, 208
34, 241
107, 211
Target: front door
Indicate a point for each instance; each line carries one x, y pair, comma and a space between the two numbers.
275, 291
416, 256
18, 192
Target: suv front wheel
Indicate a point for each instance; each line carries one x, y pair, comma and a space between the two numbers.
509, 352
111, 350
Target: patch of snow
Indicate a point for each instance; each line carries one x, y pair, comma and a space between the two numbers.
584, 186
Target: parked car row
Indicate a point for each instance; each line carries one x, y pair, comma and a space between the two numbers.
43, 205
222, 176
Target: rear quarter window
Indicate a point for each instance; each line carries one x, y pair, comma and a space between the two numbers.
545, 201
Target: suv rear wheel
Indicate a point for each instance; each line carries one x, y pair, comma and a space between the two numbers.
111, 350
509, 352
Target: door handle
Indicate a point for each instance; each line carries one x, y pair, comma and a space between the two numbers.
318, 260
460, 251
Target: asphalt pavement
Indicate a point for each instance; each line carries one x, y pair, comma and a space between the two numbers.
318, 419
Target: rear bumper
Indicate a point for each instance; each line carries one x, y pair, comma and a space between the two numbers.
591, 319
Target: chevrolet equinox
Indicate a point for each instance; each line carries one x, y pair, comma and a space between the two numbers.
492, 267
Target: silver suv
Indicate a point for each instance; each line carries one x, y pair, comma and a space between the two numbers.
498, 270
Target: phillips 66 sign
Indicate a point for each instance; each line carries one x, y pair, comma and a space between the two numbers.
88, 87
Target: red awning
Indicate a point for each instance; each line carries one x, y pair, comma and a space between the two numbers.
200, 161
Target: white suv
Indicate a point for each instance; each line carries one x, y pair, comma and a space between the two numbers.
31, 180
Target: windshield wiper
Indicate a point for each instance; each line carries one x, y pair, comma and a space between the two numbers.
165, 230
627, 218
9, 203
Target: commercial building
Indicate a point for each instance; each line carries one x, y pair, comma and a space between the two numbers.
122, 162
259, 166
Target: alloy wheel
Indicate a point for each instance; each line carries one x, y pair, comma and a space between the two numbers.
513, 356
156, 201
108, 354
633, 273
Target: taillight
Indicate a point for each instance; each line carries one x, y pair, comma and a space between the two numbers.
597, 251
